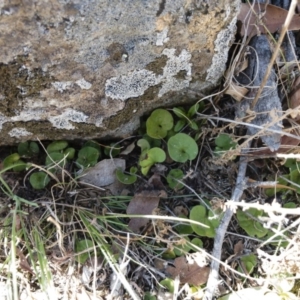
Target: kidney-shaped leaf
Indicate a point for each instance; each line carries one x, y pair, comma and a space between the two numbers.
126, 178
39, 180
159, 123
156, 155
182, 147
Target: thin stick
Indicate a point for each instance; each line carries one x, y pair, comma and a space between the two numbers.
284, 29
212, 282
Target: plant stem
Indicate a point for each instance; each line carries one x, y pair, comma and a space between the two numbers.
212, 282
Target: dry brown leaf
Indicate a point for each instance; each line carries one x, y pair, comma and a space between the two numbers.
238, 248
287, 143
128, 149
236, 91
188, 273
286, 68
181, 210
141, 204
103, 173
264, 17
295, 99
23, 263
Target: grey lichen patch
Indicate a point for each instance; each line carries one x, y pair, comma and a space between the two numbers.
83, 84
3, 120
129, 86
19, 132
17, 82
157, 66
131, 107
62, 86
137, 82
44, 130
222, 44
63, 121
174, 65
162, 37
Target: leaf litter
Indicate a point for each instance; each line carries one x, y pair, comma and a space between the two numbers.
144, 203
263, 18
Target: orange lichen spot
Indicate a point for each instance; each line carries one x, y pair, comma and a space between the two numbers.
163, 21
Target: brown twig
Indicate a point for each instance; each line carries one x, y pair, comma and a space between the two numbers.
213, 278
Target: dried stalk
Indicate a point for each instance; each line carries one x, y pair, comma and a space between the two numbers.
212, 282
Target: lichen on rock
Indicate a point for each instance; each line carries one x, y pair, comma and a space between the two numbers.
137, 82
70, 66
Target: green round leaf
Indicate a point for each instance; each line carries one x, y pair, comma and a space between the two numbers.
182, 248
57, 146
55, 158
184, 228
23, 149
34, 148
93, 144
125, 178
197, 242
295, 178
69, 153
10, 160
20, 166
27, 149
148, 296
290, 205
249, 224
14, 162
169, 254
290, 162
143, 144
199, 213
81, 246
156, 155
88, 156
39, 180
225, 142
168, 283
172, 177
146, 169
250, 262
158, 124
182, 147
150, 157
113, 150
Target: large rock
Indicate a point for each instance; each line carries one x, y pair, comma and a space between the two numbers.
89, 69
